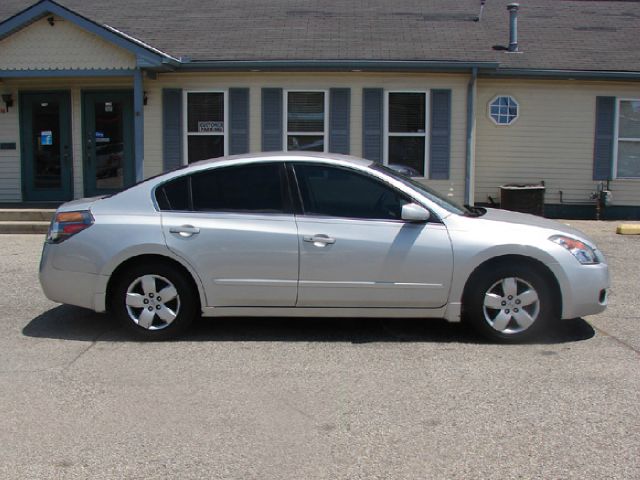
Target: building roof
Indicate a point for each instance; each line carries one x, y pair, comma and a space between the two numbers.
553, 34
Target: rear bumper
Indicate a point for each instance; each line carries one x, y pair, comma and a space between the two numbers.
74, 288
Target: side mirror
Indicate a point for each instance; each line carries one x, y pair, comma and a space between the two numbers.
414, 213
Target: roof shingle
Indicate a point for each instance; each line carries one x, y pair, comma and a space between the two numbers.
553, 34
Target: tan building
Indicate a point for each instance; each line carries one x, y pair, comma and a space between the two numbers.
95, 99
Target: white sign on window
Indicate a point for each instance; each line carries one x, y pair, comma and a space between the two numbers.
211, 127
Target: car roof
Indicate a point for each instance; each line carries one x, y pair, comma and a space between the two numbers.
332, 158
283, 156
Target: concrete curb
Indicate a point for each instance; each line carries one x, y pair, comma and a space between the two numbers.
26, 214
628, 229
24, 227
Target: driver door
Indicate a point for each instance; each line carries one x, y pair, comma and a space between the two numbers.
355, 251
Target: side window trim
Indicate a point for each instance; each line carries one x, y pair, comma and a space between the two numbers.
294, 189
190, 193
166, 197
288, 205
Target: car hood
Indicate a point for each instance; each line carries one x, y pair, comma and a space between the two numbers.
517, 218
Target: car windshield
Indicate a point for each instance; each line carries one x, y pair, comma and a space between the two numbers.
431, 194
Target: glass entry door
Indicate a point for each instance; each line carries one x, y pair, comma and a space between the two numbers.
45, 128
108, 142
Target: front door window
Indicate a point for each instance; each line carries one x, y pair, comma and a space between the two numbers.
109, 149
109, 145
47, 146
46, 142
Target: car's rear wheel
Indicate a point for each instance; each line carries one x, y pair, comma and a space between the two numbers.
155, 302
509, 303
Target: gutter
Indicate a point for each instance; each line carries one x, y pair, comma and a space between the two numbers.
566, 74
471, 113
484, 69
335, 65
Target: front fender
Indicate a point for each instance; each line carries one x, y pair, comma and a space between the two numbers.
466, 261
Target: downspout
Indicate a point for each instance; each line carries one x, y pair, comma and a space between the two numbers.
470, 151
138, 124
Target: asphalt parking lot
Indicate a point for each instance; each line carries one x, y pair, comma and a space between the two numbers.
314, 398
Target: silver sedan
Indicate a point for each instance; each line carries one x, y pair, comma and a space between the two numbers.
314, 235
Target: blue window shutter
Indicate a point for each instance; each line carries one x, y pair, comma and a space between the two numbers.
440, 139
172, 133
238, 120
272, 119
372, 111
604, 141
339, 115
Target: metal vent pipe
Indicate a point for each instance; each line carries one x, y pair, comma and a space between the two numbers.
513, 26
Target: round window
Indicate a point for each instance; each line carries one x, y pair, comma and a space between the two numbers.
504, 110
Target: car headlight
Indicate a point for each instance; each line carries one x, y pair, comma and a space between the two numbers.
583, 252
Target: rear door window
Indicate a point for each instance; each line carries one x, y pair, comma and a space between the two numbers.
259, 188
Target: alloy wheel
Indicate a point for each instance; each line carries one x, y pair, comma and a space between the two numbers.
152, 302
511, 305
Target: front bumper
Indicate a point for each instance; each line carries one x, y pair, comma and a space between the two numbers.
584, 288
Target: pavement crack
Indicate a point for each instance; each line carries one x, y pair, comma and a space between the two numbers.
293, 407
616, 339
84, 350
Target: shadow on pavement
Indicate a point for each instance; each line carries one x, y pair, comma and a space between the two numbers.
72, 323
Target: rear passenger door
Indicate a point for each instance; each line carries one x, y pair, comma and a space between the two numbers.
234, 225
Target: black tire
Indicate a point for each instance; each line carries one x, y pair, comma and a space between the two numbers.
493, 281
185, 305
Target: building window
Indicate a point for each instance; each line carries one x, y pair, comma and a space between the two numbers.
407, 130
206, 130
504, 110
628, 144
306, 121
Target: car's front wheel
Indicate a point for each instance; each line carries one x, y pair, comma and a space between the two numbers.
155, 302
509, 303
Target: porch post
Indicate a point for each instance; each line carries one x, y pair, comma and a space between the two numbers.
138, 123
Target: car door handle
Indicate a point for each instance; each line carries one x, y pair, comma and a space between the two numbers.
185, 231
319, 240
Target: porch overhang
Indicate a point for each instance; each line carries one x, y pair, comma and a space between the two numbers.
68, 73
146, 56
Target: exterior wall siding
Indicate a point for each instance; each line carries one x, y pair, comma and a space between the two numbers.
10, 166
552, 140
41, 46
355, 81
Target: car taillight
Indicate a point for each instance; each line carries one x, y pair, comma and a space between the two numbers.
67, 224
